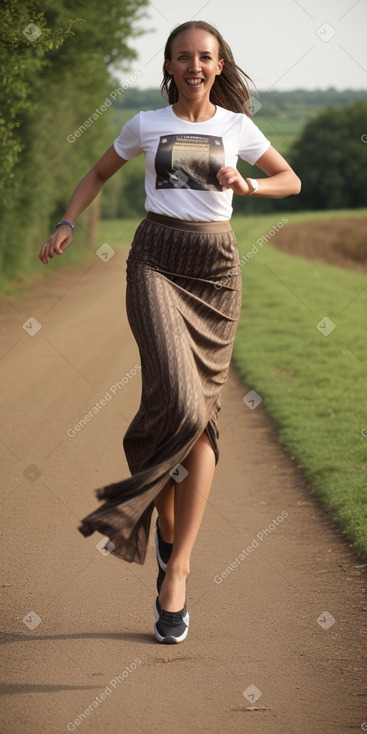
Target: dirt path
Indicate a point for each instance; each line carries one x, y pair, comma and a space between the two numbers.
285, 623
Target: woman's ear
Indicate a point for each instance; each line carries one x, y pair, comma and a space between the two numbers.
220, 66
167, 66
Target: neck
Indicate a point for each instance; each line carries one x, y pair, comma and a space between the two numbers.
194, 111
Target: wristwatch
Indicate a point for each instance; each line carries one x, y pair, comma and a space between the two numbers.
253, 184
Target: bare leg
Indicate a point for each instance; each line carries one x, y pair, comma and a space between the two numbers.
190, 497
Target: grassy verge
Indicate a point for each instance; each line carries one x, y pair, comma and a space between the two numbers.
118, 234
311, 384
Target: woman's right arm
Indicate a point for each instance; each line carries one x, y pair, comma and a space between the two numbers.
86, 190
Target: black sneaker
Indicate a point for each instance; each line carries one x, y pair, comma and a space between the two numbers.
163, 551
170, 627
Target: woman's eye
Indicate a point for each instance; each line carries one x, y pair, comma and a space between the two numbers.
184, 58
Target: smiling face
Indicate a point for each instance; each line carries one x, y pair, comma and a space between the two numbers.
194, 63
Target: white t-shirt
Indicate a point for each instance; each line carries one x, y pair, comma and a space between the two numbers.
182, 159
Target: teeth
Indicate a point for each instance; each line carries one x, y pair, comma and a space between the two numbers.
194, 82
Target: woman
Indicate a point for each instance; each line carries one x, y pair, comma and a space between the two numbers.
183, 322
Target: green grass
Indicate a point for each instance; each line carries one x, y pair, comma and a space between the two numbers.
116, 233
312, 385
281, 132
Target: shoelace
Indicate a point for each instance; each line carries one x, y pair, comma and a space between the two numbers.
172, 618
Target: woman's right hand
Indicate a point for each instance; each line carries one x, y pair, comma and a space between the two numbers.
57, 242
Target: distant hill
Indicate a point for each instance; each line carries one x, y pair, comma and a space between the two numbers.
294, 104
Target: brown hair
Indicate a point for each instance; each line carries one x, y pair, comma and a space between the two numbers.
230, 89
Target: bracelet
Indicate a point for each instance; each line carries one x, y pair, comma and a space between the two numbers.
65, 221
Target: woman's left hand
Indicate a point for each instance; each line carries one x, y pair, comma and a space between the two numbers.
230, 178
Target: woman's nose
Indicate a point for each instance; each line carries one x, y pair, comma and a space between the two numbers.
195, 64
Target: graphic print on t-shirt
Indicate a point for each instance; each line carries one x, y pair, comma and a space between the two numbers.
189, 162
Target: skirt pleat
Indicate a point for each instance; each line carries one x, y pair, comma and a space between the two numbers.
183, 302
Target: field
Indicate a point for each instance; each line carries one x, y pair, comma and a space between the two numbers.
281, 132
301, 346
341, 243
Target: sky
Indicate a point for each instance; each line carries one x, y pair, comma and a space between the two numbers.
280, 44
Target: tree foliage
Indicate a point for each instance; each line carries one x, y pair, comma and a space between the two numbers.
24, 42
55, 61
330, 157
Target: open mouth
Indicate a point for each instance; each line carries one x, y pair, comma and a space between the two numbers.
194, 82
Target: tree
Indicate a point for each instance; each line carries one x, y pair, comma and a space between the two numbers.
330, 157
24, 43
55, 67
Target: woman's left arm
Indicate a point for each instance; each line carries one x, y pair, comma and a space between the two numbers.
281, 179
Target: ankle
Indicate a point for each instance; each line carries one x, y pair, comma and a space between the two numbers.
177, 569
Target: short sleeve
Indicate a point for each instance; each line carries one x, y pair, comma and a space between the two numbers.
128, 143
253, 142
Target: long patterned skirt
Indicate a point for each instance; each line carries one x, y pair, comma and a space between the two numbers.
183, 301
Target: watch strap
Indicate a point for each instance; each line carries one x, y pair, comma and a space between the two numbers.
253, 184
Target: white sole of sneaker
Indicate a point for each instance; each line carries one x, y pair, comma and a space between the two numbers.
170, 639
